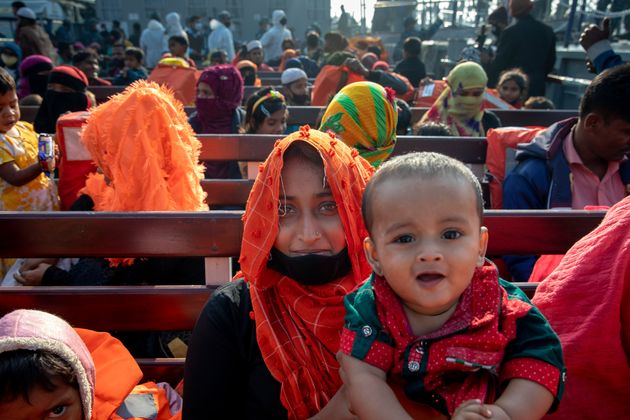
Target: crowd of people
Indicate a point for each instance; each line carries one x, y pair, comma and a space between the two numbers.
363, 289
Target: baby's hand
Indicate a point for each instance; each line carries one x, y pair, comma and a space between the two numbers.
472, 410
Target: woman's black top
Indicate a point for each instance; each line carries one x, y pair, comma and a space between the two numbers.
226, 377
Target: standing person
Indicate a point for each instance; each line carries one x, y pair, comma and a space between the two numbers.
153, 42
527, 44
459, 106
196, 37
364, 116
32, 38
410, 30
221, 37
313, 49
411, 66
174, 26
272, 39
343, 22
219, 94
136, 33
276, 327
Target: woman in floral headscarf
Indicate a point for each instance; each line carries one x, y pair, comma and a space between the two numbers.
460, 104
364, 116
274, 330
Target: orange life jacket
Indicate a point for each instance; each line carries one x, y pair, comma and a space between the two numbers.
329, 81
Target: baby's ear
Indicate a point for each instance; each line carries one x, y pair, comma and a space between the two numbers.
483, 246
370, 253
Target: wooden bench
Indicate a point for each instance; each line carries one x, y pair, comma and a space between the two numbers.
212, 234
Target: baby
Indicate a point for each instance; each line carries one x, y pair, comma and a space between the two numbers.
434, 317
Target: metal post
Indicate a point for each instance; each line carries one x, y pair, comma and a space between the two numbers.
581, 19
454, 16
567, 34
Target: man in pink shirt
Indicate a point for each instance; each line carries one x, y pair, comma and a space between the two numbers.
576, 162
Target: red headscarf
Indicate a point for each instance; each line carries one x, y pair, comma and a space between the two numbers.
298, 327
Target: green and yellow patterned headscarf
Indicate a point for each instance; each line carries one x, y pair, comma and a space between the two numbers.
364, 116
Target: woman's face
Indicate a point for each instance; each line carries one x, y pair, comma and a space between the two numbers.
276, 123
204, 91
308, 220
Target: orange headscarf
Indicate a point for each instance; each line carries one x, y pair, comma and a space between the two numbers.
286, 56
298, 327
142, 142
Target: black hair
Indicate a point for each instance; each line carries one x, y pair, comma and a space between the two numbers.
181, 40
413, 46
404, 117
421, 166
22, 370
376, 50
253, 119
432, 128
18, 4
518, 76
7, 83
607, 94
219, 55
304, 152
538, 102
83, 55
312, 39
135, 52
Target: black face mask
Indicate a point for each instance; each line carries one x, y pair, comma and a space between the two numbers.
38, 83
55, 104
117, 63
311, 269
249, 79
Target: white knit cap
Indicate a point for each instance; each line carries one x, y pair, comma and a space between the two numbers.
252, 45
26, 12
291, 75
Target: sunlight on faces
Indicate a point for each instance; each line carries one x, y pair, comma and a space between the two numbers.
177, 49
256, 56
204, 91
509, 91
276, 123
90, 67
309, 222
64, 403
9, 111
609, 136
299, 87
426, 240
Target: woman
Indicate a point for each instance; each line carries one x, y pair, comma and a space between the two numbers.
266, 113
372, 131
219, 94
460, 104
264, 345
34, 72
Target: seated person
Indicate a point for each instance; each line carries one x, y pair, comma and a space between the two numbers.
512, 87
178, 47
433, 129
134, 68
459, 106
217, 57
434, 317
149, 180
411, 66
87, 61
577, 162
295, 87
249, 71
256, 55
587, 302
403, 126
50, 370
538, 102
372, 131
34, 72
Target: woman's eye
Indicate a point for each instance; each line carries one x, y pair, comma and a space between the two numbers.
404, 239
285, 210
329, 207
58, 411
451, 234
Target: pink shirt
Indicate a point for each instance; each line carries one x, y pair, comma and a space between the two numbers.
586, 187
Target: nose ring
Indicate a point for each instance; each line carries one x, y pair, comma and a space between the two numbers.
317, 234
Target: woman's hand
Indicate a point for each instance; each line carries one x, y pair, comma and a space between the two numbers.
337, 408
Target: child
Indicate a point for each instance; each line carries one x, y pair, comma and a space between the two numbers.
538, 102
434, 316
512, 87
266, 113
133, 70
50, 370
178, 47
23, 184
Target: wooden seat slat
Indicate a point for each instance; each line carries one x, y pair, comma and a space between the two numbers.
218, 233
227, 192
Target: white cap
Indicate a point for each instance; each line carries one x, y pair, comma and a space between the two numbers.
252, 45
291, 75
26, 12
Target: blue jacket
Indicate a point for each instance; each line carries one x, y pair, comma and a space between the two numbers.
542, 180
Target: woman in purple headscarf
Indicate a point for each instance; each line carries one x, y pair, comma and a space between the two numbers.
34, 72
219, 95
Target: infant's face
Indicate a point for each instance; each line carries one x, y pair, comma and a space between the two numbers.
426, 240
